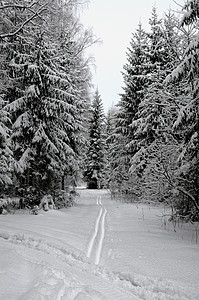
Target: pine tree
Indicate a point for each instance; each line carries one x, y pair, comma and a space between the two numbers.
150, 54
6, 158
48, 94
156, 111
110, 125
187, 122
136, 80
96, 146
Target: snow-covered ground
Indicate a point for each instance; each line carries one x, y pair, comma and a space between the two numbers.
100, 249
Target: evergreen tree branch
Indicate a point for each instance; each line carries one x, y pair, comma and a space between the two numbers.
180, 189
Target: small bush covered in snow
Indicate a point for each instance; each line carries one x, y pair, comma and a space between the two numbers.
65, 199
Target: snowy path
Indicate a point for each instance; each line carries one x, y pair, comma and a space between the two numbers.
58, 255
99, 232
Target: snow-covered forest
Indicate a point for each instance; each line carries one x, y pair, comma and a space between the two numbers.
53, 131
150, 139
138, 165
44, 95
157, 121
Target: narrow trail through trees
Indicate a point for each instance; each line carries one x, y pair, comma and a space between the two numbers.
96, 241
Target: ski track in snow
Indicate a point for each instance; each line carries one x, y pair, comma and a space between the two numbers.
99, 233
54, 284
72, 276
100, 245
91, 244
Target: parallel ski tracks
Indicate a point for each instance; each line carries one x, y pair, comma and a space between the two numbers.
96, 242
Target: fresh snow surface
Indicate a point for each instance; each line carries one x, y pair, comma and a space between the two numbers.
98, 250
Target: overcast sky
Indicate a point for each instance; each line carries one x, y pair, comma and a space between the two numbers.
114, 21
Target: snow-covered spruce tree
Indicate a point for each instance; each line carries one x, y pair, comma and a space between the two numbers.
95, 162
152, 124
6, 158
148, 118
136, 80
120, 181
73, 63
186, 125
47, 96
135, 77
145, 59
110, 124
5, 122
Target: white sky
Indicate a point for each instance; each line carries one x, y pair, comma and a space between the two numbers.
114, 21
